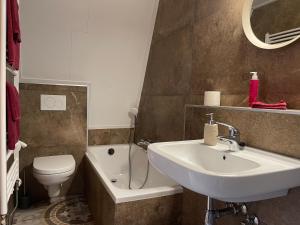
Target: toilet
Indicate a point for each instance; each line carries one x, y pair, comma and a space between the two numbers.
52, 172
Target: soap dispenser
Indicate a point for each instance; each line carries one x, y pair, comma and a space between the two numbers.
253, 88
211, 131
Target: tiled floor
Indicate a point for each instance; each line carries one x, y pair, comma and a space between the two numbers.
73, 210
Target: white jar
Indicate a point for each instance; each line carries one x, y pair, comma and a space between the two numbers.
212, 98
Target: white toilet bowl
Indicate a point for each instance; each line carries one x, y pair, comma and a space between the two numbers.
52, 172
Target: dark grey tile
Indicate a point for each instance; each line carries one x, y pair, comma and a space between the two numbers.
161, 119
109, 136
171, 16
169, 66
221, 59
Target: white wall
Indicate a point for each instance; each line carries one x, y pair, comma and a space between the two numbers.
103, 42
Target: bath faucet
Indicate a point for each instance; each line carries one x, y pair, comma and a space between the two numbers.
144, 143
233, 138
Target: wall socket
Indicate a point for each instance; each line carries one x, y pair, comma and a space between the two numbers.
53, 102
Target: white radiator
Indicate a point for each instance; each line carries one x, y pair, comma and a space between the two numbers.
13, 172
282, 36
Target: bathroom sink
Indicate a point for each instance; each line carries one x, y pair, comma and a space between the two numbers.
242, 176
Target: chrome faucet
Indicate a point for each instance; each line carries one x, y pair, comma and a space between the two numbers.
233, 138
144, 143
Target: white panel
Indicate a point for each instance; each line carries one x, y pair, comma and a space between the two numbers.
3, 191
103, 42
54, 15
79, 15
53, 102
46, 54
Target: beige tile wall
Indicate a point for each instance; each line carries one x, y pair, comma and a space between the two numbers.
100, 203
199, 45
269, 131
53, 132
109, 136
273, 132
159, 211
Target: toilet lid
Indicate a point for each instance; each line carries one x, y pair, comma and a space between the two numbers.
53, 164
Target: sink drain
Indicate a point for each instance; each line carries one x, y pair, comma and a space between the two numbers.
113, 180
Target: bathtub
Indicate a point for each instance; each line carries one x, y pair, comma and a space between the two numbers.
110, 162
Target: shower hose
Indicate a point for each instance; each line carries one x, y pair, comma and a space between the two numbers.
131, 140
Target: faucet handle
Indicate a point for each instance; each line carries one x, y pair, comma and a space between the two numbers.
145, 142
234, 133
232, 129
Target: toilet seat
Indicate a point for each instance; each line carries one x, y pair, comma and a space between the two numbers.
51, 165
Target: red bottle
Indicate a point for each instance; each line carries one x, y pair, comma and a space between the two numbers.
253, 89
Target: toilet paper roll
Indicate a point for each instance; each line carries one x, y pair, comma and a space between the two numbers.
212, 98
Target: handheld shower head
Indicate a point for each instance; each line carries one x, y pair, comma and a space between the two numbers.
133, 112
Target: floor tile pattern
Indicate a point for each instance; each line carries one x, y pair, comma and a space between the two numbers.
71, 211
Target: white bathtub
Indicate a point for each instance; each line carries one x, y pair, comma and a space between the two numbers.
116, 167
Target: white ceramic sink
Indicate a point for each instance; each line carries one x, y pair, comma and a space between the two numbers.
243, 176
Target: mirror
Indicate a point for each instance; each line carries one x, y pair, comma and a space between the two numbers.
271, 24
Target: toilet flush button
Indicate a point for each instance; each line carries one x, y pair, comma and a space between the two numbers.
53, 102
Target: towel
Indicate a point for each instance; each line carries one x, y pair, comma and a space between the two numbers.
261, 105
13, 114
13, 34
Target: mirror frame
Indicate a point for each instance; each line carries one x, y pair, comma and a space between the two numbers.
246, 20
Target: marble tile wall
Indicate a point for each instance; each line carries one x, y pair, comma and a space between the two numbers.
261, 130
199, 45
109, 136
53, 132
159, 211
100, 203
258, 129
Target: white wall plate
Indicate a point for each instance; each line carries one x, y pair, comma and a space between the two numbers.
53, 102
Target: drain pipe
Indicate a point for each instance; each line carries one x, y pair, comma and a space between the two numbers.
209, 216
230, 209
213, 214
